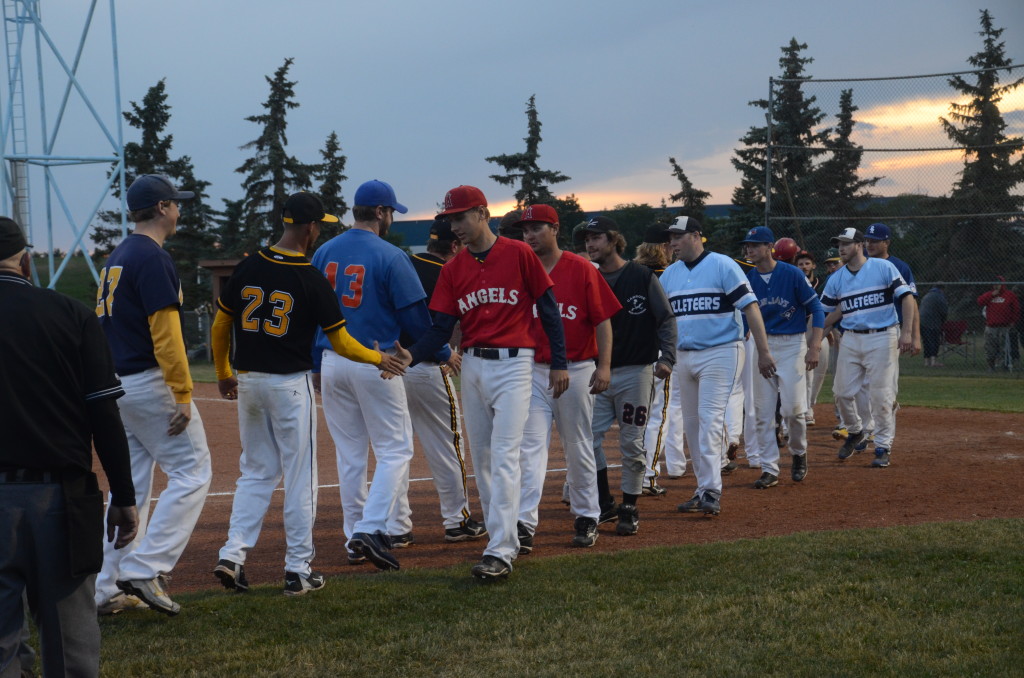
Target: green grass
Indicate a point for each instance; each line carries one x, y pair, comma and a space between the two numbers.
996, 394
76, 281
930, 600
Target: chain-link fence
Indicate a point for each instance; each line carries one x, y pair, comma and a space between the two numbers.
196, 331
893, 150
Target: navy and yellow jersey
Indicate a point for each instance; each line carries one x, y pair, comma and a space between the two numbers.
428, 268
276, 301
138, 280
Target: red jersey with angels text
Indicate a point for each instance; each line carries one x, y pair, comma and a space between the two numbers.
493, 298
584, 301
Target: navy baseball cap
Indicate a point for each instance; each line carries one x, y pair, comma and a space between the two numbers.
374, 192
877, 232
760, 234
12, 238
304, 208
656, 234
150, 189
600, 224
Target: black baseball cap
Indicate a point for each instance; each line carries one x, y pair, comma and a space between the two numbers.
600, 224
656, 234
848, 235
304, 208
441, 229
150, 189
12, 238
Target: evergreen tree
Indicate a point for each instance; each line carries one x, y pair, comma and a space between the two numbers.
522, 169
693, 200
271, 175
330, 173
230, 229
837, 184
993, 166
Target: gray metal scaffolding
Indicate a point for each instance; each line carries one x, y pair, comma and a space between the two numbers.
23, 30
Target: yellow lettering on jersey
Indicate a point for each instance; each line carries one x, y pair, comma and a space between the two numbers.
109, 277
255, 297
282, 303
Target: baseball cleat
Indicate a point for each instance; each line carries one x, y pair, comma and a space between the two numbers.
152, 593
766, 480
608, 514
730, 453
692, 505
840, 433
375, 547
799, 470
850, 446
297, 585
709, 504
491, 568
231, 575
525, 539
586, 532
809, 421
729, 468
881, 459
467, 530
120, 602
402, 541
629, 520
354, 558
653, 490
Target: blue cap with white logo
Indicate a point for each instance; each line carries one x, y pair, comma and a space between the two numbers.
877, 232
760, 234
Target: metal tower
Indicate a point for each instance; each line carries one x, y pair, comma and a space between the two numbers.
28, 43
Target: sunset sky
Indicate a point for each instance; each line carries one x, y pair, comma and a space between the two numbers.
420, 93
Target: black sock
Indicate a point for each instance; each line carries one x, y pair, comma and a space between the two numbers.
604, 494
630, 498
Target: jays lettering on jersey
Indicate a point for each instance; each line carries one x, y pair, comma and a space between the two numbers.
786, 298
138, 280
277, 301
706, 297
866, 297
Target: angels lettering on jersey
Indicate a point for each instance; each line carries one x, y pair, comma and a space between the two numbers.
488, 295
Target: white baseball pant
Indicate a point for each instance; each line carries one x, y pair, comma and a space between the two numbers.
816, 378
663, 437
572, 413
146, 408
706, 379
436, 421
868, 358
362, 409
751, 442
628, 402
789, 385
277, 426
498, 395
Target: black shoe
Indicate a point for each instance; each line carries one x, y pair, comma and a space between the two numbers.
653, 490
355, 558
467, 530
491, 568
586, 532
799, 470
881, 459
850, 446
629, 520
765, 481
375, 547
709, 504
729, 468
297, 585
608, 513
730, 453
692, 505
525, 539
402, 541
231, 575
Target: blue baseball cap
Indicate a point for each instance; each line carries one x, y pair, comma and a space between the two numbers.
150, 189
374, 192
877, 232
760, 234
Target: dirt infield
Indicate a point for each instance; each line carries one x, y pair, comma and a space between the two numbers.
946, 465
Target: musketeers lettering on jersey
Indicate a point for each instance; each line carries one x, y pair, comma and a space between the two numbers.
489, 295
701, 303
867, 300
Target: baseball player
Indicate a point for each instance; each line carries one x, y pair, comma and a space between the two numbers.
805, 262
586, 304
138, 303
785, 299
273, 303
492, 286
434, 408
642, 349
832, 264
862, 295
706, 292
381, 296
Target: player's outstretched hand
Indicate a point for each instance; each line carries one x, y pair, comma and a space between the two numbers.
906, 342
600, 380
766, 365
558, 382
228, 388
454, 363
122, 522
180, 418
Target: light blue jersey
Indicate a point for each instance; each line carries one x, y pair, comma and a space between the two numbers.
786, 298
866, 297
706, 297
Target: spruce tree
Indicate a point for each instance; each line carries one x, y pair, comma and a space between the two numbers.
693, 200
331, 173
836, 183
271, 175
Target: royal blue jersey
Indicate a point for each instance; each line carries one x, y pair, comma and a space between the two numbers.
786, 298
377, 286
138, 280
706, 297
904, 269
866, 297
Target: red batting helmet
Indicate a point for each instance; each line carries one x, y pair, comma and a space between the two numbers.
785, 249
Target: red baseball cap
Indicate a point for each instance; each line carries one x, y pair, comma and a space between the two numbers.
462, 198
543, 213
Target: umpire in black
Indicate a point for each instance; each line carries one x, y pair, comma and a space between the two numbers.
58, 397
